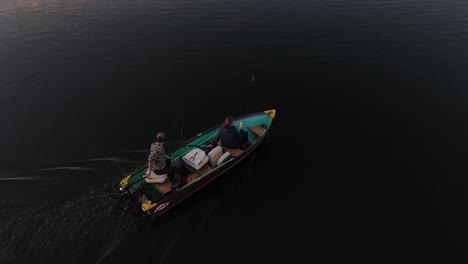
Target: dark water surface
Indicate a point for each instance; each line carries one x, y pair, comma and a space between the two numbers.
366, 162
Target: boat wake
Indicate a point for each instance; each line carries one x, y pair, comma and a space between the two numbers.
138, 151
121, 160
18, 179
72, 168
111, 159
82, 230
76, 166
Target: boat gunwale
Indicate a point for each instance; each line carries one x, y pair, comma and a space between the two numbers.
210, 176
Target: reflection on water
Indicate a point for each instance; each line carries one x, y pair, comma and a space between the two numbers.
82, 79
8, 6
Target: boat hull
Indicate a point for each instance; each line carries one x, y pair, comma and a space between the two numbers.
162, 206
173, 200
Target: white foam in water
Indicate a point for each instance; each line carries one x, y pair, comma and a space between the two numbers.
18, 179
73, 224
115, 159
76, 168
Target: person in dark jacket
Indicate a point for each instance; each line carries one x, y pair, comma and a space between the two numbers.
229, 135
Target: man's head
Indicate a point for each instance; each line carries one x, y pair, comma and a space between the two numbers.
160, 137
228, 121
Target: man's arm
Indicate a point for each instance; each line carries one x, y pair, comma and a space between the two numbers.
240, 133
150, 168
215, 139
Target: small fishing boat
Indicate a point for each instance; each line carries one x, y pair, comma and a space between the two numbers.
202, 167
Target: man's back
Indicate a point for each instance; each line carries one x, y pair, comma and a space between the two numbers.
229, 136
157, 156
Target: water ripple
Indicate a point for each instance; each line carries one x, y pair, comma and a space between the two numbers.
40, 234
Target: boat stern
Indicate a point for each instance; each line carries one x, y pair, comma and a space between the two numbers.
124, 183
146, 204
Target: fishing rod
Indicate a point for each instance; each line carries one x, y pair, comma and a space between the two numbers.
247, 101
181, 128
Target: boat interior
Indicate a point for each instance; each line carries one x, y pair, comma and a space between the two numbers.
198, 163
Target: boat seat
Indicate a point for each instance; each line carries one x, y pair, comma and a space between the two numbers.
218, 156
224, 158
214, 155
156, 178
258, 130
162, 181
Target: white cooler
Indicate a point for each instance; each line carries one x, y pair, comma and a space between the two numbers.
196, 158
